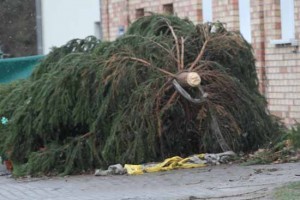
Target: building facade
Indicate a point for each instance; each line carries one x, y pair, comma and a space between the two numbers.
271, 26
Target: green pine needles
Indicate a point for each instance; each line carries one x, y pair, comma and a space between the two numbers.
90, 104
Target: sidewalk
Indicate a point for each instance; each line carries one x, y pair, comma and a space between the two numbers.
218, 182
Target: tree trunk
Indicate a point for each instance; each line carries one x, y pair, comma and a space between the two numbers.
188, 79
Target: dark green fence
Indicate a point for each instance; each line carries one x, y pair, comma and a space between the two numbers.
17, 68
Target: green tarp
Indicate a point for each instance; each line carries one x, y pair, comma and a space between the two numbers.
17, 68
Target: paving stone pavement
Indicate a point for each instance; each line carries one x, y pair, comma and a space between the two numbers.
229, 182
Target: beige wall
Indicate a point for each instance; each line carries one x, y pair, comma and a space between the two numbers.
279, 64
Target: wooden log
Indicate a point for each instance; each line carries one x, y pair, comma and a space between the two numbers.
188, 79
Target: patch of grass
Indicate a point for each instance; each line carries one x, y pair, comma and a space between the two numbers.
288, 192
294, 136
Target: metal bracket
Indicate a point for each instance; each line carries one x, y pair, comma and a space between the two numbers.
186, 95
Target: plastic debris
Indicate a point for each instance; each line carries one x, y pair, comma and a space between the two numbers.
4, 168
176, 162
219, 157
4, 120
112, 170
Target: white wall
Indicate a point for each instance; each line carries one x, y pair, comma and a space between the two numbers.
63, 20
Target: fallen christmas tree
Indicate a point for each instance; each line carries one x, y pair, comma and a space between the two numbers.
90, 104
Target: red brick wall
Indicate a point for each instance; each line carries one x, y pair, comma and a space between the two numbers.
277, 66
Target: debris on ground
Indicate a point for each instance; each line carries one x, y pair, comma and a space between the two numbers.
112, 170
5, 167
166, 87
285, 149
176, 162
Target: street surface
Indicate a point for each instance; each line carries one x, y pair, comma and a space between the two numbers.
228, 182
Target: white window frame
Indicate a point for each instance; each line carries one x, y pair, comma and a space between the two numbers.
287, 14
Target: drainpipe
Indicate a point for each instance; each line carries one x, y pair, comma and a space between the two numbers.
39, 28
107, 20
127, 14
101, 21
1, 53
262, 47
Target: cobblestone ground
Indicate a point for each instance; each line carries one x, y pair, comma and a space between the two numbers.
229, 182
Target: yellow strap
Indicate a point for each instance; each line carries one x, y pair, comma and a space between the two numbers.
175, 162
134, 169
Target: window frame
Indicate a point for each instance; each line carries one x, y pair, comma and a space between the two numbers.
287, 21
139, 12
168, 8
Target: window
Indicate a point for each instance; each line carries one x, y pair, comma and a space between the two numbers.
287, 19
98, 31
121, 31
139, 13
207, 10
168, 9
287, 24
245, 19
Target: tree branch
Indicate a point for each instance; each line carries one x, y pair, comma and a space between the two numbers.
200, 55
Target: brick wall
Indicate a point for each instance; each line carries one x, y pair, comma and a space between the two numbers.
278, 67
118, 13
227, 12
258, 40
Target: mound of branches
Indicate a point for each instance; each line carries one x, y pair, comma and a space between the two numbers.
91, 104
